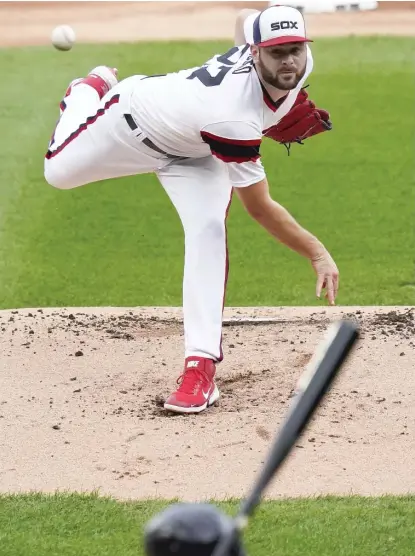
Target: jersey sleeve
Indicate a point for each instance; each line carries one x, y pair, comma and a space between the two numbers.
237, 144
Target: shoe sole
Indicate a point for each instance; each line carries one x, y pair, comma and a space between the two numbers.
213, 398
109, 75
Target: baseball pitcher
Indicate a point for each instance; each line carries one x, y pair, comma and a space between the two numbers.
200, 131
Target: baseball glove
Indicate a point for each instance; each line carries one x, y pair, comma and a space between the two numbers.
302, 122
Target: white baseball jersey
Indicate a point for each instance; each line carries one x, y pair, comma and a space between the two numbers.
220, 108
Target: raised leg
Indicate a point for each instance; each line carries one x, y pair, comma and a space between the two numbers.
92, 141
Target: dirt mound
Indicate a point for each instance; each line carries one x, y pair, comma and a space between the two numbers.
82, 393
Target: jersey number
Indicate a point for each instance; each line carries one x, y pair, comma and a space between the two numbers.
209, 80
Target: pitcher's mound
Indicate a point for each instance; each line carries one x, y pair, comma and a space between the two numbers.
82, 391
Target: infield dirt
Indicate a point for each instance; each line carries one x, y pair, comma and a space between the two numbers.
81, 390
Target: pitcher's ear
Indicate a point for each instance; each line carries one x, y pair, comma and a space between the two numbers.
255, 52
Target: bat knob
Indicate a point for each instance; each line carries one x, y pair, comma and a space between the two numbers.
188, 530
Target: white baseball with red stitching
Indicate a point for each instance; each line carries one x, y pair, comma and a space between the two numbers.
63, 37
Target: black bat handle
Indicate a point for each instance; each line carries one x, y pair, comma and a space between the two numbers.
318, 379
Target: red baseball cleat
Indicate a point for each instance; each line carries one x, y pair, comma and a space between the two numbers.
197, 389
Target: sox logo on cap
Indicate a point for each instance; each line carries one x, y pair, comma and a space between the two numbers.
279, 25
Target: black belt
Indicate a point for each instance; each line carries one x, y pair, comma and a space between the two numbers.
130, 121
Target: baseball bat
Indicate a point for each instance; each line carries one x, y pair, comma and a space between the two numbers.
313, 384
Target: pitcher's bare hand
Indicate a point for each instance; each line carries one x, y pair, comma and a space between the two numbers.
327, 276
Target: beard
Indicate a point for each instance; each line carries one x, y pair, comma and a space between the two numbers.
281, 81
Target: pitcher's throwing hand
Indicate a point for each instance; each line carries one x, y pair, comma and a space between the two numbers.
327, 276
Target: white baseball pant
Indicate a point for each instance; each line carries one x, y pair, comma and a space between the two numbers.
93, 141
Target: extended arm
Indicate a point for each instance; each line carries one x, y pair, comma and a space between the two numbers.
282, 226
237, 145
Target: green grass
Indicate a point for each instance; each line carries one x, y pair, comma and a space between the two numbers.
71, 524
120, 242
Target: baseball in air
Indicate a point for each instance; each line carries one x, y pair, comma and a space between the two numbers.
63, 37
